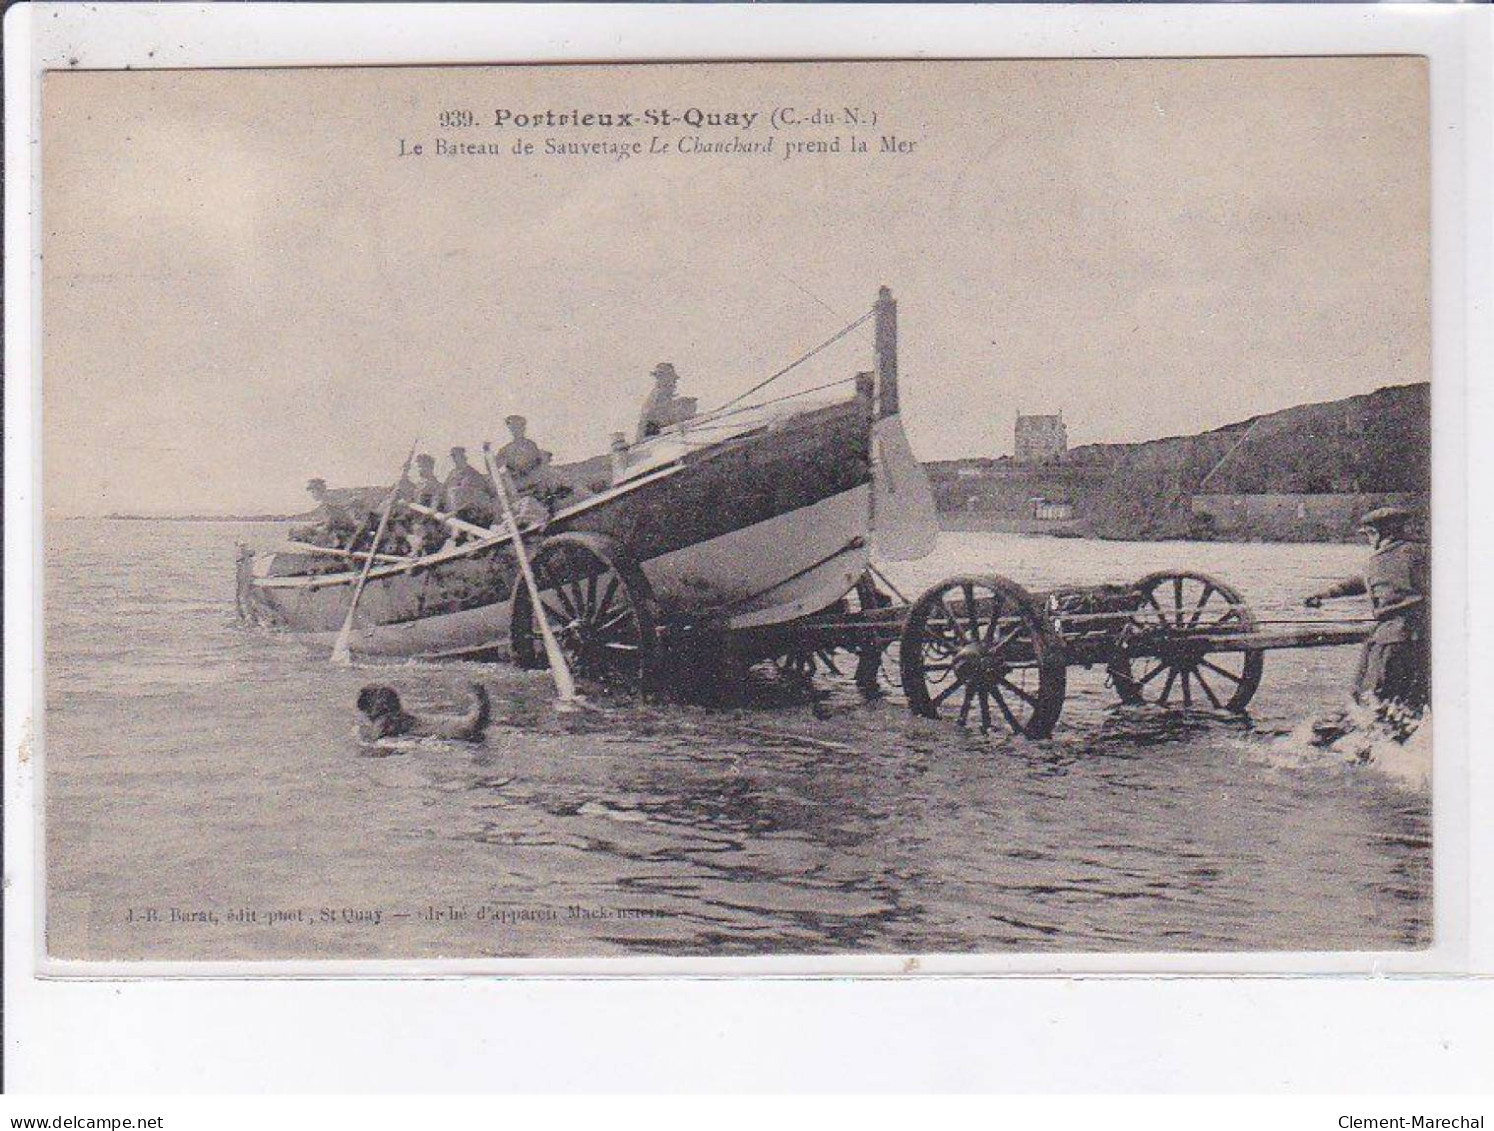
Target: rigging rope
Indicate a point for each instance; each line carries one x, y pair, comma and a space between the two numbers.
826, 344
722, 413
722, 420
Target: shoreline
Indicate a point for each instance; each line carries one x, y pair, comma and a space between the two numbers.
182, 518
956, 523
948, 524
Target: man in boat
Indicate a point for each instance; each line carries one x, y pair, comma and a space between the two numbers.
527, 464
1394, 667
332, 523
663, 409
618, 455
428, 487
425, 534
468, 493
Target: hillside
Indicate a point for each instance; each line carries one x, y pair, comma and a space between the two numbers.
1376, 444
1356, 444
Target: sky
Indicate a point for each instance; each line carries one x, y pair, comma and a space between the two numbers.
245, 284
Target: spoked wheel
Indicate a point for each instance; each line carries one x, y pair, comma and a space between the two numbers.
980, 648
597, 603
1173, 626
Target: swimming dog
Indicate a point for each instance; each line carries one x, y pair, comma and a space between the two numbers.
383, 716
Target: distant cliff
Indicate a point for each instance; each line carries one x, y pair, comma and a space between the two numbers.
1363, 447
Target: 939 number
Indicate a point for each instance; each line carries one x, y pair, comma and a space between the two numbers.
453, 118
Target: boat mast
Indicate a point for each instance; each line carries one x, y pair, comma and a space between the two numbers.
886, 353
883, 396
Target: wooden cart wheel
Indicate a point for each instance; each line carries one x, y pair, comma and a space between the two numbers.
598, 604
1179, 610
982, 647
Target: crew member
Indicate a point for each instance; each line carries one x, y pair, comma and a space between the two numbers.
526, 462
428, 486
663, 409
468, 493
332, 523
619, 456
1394, 667
425, 534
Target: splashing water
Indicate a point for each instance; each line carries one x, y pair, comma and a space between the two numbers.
1385, 739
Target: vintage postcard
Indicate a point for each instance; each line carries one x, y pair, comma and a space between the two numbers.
737, 510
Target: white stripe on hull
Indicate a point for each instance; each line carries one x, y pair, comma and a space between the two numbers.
790, 566
443, 636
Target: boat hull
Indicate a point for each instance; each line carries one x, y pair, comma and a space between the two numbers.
755, 530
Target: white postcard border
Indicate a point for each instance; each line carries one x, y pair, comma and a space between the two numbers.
1457, 41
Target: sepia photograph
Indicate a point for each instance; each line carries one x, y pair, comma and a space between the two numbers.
720, 510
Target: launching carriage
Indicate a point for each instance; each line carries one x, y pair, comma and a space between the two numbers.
982, 649
746, 535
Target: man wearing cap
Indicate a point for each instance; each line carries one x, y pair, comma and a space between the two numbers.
468, 494
427, 484
524, 459
663, 409
427, 533
332, 523
1395, 665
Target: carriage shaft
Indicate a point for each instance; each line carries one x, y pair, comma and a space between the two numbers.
1273, 641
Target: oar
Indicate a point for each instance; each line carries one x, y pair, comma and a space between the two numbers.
565, 686
341, 652
308, 548
461, 526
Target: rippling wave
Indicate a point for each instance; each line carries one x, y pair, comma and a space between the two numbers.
192, 764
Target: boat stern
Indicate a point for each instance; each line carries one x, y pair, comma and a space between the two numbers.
254, 605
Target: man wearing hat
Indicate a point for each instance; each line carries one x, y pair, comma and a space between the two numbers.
524, 459
468, 494
1395, 665
663, 409
427, 533
332, 522
428, 486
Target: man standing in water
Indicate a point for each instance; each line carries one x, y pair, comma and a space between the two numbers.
1394, 667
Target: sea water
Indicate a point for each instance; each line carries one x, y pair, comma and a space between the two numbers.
205, 796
